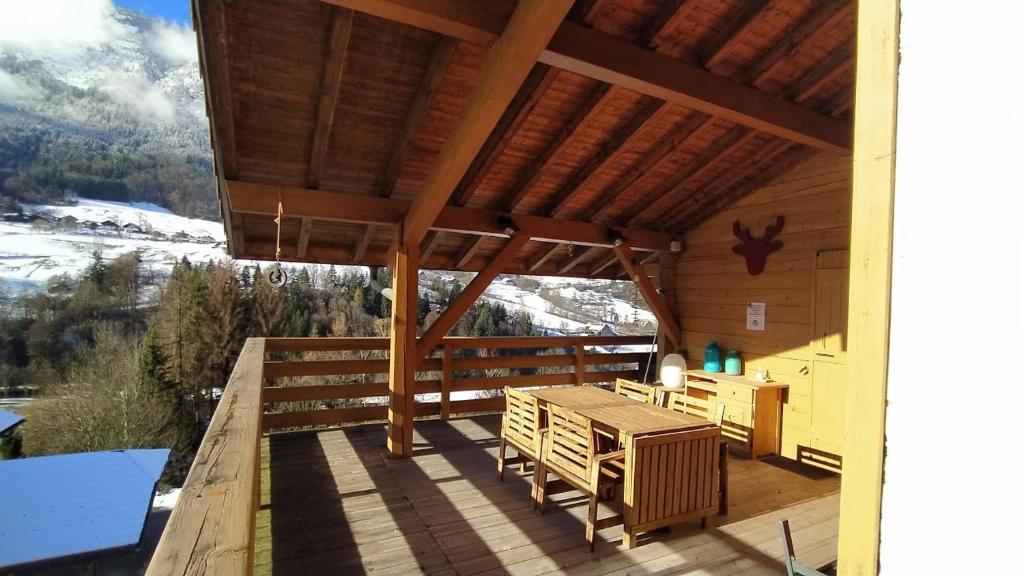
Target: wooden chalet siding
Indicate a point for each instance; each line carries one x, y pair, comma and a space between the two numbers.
713, 286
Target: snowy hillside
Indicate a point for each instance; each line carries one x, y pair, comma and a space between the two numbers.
46, 241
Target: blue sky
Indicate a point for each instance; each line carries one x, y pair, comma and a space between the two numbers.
175, 10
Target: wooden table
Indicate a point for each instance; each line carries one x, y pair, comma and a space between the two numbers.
575, 397
629, 421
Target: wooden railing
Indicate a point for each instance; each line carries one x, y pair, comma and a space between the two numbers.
213, 525
212, 528
472, 367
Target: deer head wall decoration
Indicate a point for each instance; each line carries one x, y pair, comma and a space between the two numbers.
756, 250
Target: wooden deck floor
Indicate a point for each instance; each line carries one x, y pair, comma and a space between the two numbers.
333, 503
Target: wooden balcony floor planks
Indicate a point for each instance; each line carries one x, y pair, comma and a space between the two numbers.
332, 503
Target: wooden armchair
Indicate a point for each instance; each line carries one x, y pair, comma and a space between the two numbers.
670, 478
569, 453
520, 427
634, 390
714, 412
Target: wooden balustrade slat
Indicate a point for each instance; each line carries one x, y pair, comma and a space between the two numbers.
487, 383
323, 392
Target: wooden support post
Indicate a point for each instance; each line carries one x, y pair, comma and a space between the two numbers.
446, 381
871, 237
662, 312
580, 366
403, 359
432, 337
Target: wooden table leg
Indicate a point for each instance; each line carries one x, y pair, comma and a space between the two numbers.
723, 478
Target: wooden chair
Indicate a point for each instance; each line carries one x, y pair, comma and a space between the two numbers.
793, 568
634, 390
569, 453
670, 478
679, 401
520, 428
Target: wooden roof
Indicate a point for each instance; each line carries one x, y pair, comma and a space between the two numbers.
631, 118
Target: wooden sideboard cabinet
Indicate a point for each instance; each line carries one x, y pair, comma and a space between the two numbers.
753, 410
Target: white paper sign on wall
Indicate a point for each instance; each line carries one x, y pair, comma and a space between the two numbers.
755, 316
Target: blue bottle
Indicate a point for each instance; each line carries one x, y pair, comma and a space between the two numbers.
712, 357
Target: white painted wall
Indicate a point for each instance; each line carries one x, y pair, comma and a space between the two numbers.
953, 499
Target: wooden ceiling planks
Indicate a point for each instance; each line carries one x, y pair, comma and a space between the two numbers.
623, 149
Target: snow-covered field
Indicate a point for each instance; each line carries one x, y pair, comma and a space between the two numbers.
30, 254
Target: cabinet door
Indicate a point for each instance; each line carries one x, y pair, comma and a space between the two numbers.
828, 349
831, 298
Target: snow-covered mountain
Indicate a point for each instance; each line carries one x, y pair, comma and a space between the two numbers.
111, 107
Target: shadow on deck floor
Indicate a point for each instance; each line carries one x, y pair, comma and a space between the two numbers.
333, 503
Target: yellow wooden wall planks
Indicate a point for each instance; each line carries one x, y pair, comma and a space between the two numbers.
713, 286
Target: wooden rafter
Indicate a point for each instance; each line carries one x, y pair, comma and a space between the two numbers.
725, 145
561, 141
718, 48
838, 63
430, 244
469, 251
601, 265
432, 337
615, 61
256, 198
439, 60
821, 18
304, 230
667, 322
648, 114
330, 86
542, 256
622, 138
503, 69
651, 162
576, 259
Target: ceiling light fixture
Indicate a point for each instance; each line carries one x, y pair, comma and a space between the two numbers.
616, 237
507, 226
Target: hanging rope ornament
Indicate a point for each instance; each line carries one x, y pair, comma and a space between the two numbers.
276, 274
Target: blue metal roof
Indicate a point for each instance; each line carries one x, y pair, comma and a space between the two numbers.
60, 507
8, 420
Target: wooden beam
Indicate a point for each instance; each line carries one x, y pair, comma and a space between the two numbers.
469, 251
666, 321
402, 359
430, 244
523, 104
440, 58
610, 259
838, 63
467, 20
719, 47
773, 161
432, 337
822, 17
561, 141
303, 244
615, 61
542, 256
871, 239
725, 145
502, 71
364, 243
255, 198
211, 35
623, 137
576, 259
330, 86
649, 163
